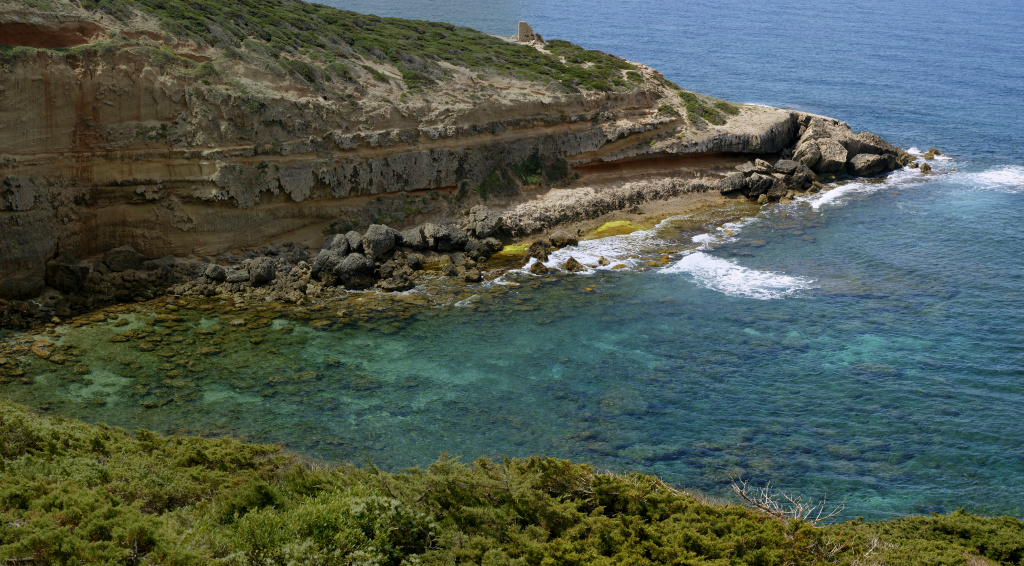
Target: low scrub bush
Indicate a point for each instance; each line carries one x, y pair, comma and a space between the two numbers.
77, 493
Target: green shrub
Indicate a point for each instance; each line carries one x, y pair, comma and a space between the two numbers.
667, 110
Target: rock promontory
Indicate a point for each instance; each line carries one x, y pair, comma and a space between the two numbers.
143, 145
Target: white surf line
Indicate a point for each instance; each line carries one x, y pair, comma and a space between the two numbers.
730, 278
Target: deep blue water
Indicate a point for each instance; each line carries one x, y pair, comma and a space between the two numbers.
867, 342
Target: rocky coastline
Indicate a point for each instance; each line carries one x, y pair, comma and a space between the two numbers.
146, 162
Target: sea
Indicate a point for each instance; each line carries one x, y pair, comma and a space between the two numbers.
865, 343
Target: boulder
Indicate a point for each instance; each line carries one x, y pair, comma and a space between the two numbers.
449, 270
746, 169
355, 241
445, 237
538, 250
866, 142
801, 178
355, 271
483, 248
216, 272
763, 199
786, 166
731, 183
778, 188
538, 268
413, 237
336, 243
561, 238
67, 276
808, 154
925, 168
325, 263
237, 276
414, 262
402, 279
573, 266
815, 130
833, 156
378, 240
603, 261
759, 184
763, 167
865, 164
261, 271
482, 221
473, 276
123, 259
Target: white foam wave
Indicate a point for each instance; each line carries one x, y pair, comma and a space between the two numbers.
1004, 178
837, 194
628, 250
733, 279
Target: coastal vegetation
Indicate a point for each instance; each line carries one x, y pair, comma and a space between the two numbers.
316, 42
75, 493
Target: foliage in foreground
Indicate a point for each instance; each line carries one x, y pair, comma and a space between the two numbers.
77, 493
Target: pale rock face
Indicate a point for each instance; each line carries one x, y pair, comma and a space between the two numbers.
833, 156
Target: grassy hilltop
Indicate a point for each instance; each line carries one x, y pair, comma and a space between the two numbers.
73, 493
321, 45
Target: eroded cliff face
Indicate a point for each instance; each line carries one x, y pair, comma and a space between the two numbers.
133, 137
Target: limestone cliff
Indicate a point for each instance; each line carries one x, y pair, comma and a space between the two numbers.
194, 132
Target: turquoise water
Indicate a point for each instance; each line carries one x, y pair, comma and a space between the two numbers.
867, 341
